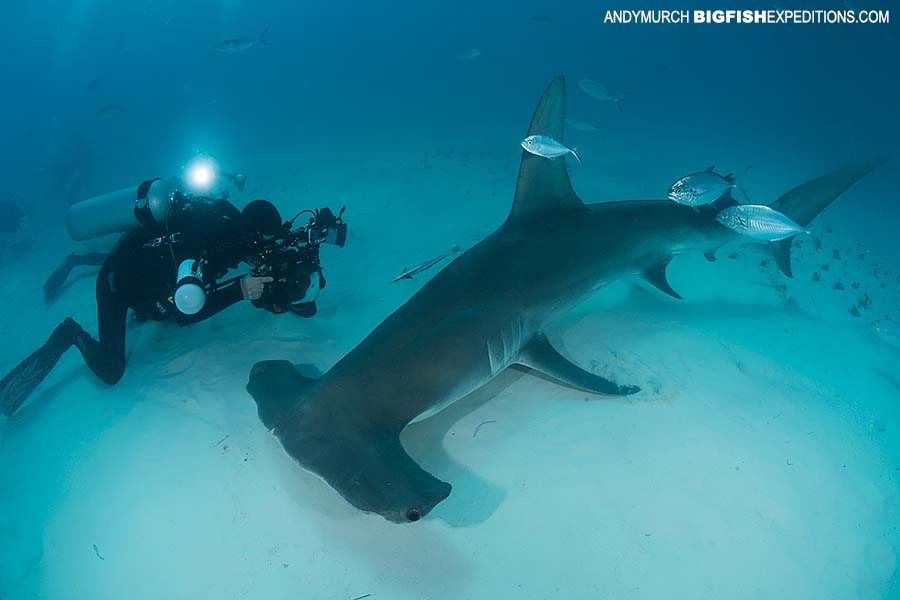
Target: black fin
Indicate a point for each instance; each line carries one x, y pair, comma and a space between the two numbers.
781, 252
729, 178
277, 387
541, 356
54, 284
710, 255
656, 276
18, 384
543, 184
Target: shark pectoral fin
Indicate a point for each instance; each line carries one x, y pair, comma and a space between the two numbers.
781, 252
541, 356
656, 276
277, 387
710, 255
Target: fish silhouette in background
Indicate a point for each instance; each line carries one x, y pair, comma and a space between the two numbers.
235, 45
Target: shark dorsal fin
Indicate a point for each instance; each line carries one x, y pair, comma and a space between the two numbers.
544, 184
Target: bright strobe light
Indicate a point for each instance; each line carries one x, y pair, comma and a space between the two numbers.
201, 174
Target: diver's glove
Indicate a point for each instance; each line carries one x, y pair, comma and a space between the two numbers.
253, 287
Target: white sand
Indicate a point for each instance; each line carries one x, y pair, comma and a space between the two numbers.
760, 461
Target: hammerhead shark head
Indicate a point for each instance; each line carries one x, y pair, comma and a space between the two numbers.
486, 311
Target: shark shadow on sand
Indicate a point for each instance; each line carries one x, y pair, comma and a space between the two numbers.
487, 311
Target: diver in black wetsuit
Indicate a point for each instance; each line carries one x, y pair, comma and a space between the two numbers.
140, 273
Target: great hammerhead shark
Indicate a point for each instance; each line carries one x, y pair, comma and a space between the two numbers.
486, 311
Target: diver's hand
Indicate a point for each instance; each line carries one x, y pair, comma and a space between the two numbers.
253, 287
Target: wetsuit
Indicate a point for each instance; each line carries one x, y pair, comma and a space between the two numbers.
140, 274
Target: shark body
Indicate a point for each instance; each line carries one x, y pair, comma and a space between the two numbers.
484, 312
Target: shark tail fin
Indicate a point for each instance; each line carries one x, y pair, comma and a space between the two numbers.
277, 387
543, 185
262, 37
805, 202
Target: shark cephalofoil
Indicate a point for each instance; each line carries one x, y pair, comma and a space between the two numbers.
486, 311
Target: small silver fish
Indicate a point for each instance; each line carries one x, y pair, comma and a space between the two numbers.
705, 187
759, 222
235, 45
598, 91
582, 125
469, 54
408, 273
109, 111
546, 146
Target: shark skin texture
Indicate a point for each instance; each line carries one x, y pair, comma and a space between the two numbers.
486, 311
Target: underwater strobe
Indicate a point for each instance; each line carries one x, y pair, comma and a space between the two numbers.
122, 210
189, 295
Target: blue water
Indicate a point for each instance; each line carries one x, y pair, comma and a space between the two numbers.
714, 487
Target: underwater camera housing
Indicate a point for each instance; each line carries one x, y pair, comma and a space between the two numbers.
291, 259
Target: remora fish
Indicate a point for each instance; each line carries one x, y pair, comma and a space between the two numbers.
409, 273
485, 311
759, 222
240, 44
598, 91
548, 147
705, 187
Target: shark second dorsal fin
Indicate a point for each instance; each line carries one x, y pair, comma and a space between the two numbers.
543, 185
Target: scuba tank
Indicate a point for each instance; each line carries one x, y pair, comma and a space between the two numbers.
121, 210
189, 296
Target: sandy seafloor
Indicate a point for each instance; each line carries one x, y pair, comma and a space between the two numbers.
761, 459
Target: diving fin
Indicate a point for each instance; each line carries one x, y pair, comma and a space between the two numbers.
19, 383
541, 356
54, 284
277, 387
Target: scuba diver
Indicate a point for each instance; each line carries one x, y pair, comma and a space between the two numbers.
170, 265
